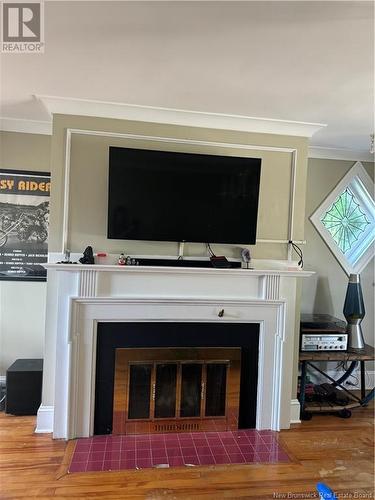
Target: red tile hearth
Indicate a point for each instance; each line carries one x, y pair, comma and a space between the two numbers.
106, 453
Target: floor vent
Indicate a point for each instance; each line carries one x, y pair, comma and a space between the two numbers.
176, 427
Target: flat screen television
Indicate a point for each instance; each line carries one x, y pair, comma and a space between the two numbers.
167, 196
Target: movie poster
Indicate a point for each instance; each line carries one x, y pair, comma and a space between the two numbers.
24, 215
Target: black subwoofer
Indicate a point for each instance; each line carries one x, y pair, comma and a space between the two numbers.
24, 387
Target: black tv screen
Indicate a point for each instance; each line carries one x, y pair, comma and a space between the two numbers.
167, 196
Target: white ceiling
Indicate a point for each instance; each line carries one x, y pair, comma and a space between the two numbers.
305, 60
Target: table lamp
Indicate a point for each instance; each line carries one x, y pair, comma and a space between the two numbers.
354, 312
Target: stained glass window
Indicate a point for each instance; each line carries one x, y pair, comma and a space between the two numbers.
345, 220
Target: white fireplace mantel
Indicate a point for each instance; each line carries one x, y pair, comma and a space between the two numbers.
88, 294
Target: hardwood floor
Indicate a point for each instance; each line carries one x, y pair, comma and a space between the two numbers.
329, 449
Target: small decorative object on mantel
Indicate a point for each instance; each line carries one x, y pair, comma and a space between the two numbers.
122, 260
354, 312
67, 258
131, 261
101, 258
88, 256
246, 257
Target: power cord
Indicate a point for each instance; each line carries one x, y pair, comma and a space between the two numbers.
210, 251
343, 365
298, 251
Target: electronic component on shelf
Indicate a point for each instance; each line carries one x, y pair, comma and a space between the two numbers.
219, 261
326, 342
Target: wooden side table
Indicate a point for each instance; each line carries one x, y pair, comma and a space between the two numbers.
306, 358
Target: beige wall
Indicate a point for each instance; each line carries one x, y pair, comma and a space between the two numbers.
325, 292
22, 305
89, 177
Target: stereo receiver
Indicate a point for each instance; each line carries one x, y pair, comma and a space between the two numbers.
324, 342
322, 332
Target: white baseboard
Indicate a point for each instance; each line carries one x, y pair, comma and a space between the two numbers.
295, 409
44, 419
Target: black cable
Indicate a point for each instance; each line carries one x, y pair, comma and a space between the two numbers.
212, 254
348, 371
299, 252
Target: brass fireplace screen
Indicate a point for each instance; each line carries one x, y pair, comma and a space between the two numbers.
169, 390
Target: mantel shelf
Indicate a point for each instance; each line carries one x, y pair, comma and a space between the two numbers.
292, 273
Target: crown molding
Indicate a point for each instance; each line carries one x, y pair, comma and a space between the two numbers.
340, 154
183, 117
25, 126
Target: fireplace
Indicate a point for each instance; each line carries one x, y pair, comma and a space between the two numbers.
101, 308
168, 377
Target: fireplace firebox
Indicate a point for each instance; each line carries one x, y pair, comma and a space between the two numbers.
175, 377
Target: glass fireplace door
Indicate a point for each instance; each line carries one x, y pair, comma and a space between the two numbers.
165, 390
191, 390
169, 394
139, 391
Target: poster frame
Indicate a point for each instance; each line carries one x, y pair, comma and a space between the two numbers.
38, 173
